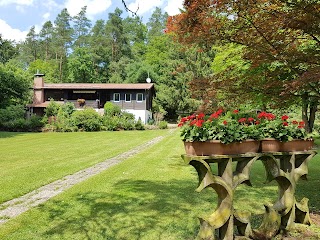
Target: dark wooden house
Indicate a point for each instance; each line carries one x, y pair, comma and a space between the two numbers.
135, 98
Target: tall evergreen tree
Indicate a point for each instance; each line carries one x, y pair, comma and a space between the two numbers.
62, 41
98, 46
32, 44
82, 26
46, 38
157, 23
117, 40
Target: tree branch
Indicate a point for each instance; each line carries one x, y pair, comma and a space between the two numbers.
129, 10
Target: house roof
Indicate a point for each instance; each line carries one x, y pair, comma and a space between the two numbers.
139, 86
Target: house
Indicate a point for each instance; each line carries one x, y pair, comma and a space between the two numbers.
135, 98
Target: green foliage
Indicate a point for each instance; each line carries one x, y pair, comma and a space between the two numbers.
80, 65
12, 112
139, 125
49, 67
12, 119
163, 124
119, 121
87, 120
52, 109
14, 86
226, 127
7, 50
111, 109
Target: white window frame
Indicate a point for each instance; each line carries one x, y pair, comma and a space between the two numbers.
138, 97
125, 97
114, 97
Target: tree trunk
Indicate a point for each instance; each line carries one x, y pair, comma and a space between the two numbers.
309, 109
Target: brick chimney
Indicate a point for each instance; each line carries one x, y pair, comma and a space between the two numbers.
38, 91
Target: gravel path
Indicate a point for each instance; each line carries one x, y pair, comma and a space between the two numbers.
17, 206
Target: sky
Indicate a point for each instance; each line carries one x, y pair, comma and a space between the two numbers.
18, 16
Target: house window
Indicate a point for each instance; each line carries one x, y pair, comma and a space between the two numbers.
139, 97
127, 97
116, 97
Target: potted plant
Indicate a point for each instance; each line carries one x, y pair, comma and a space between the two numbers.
220, 133
81, 102
281, 134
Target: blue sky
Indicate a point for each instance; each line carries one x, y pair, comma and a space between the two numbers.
18, 16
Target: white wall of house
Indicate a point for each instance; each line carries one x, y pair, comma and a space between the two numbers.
144, 115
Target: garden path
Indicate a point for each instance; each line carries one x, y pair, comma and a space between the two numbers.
17, 206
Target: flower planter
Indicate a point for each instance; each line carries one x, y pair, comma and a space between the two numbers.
270, 145
215, 147
273, 145
296, 145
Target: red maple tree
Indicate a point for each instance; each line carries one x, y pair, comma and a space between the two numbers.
281, 39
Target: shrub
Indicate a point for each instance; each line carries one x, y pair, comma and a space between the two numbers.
163, 125
52, 109
88, 120
11, 113
111, 110
139, 125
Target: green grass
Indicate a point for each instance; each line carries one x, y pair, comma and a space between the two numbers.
31, 160
149, 196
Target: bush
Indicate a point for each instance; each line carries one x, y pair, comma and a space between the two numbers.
163, 125
139, 125
87, 120
13, 119
111, 110
11, 113
23, 125
52, 109
115, 123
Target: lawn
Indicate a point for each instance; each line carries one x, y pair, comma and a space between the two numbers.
148, 196
31, 160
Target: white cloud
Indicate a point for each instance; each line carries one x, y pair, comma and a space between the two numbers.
20, 9
19, 2
46, 16
144, 5
10, 33
93, 6
50, 4
173, 7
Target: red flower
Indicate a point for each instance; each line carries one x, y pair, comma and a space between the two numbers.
219, 112
284, 118
201, 115
300, 126
301, 123
225, 122
266, 115
250, 119
270, 116
285, 124
199, 123
214, 115
257, 122
262, 115
235, 111
295, 122
242, 120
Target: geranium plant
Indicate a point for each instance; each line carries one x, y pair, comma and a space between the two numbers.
282, 128
237, 126
226, 127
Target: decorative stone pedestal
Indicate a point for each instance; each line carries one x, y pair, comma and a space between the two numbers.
286, 168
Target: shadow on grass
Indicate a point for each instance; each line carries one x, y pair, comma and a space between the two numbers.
155, 209
10, 134
133, 210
